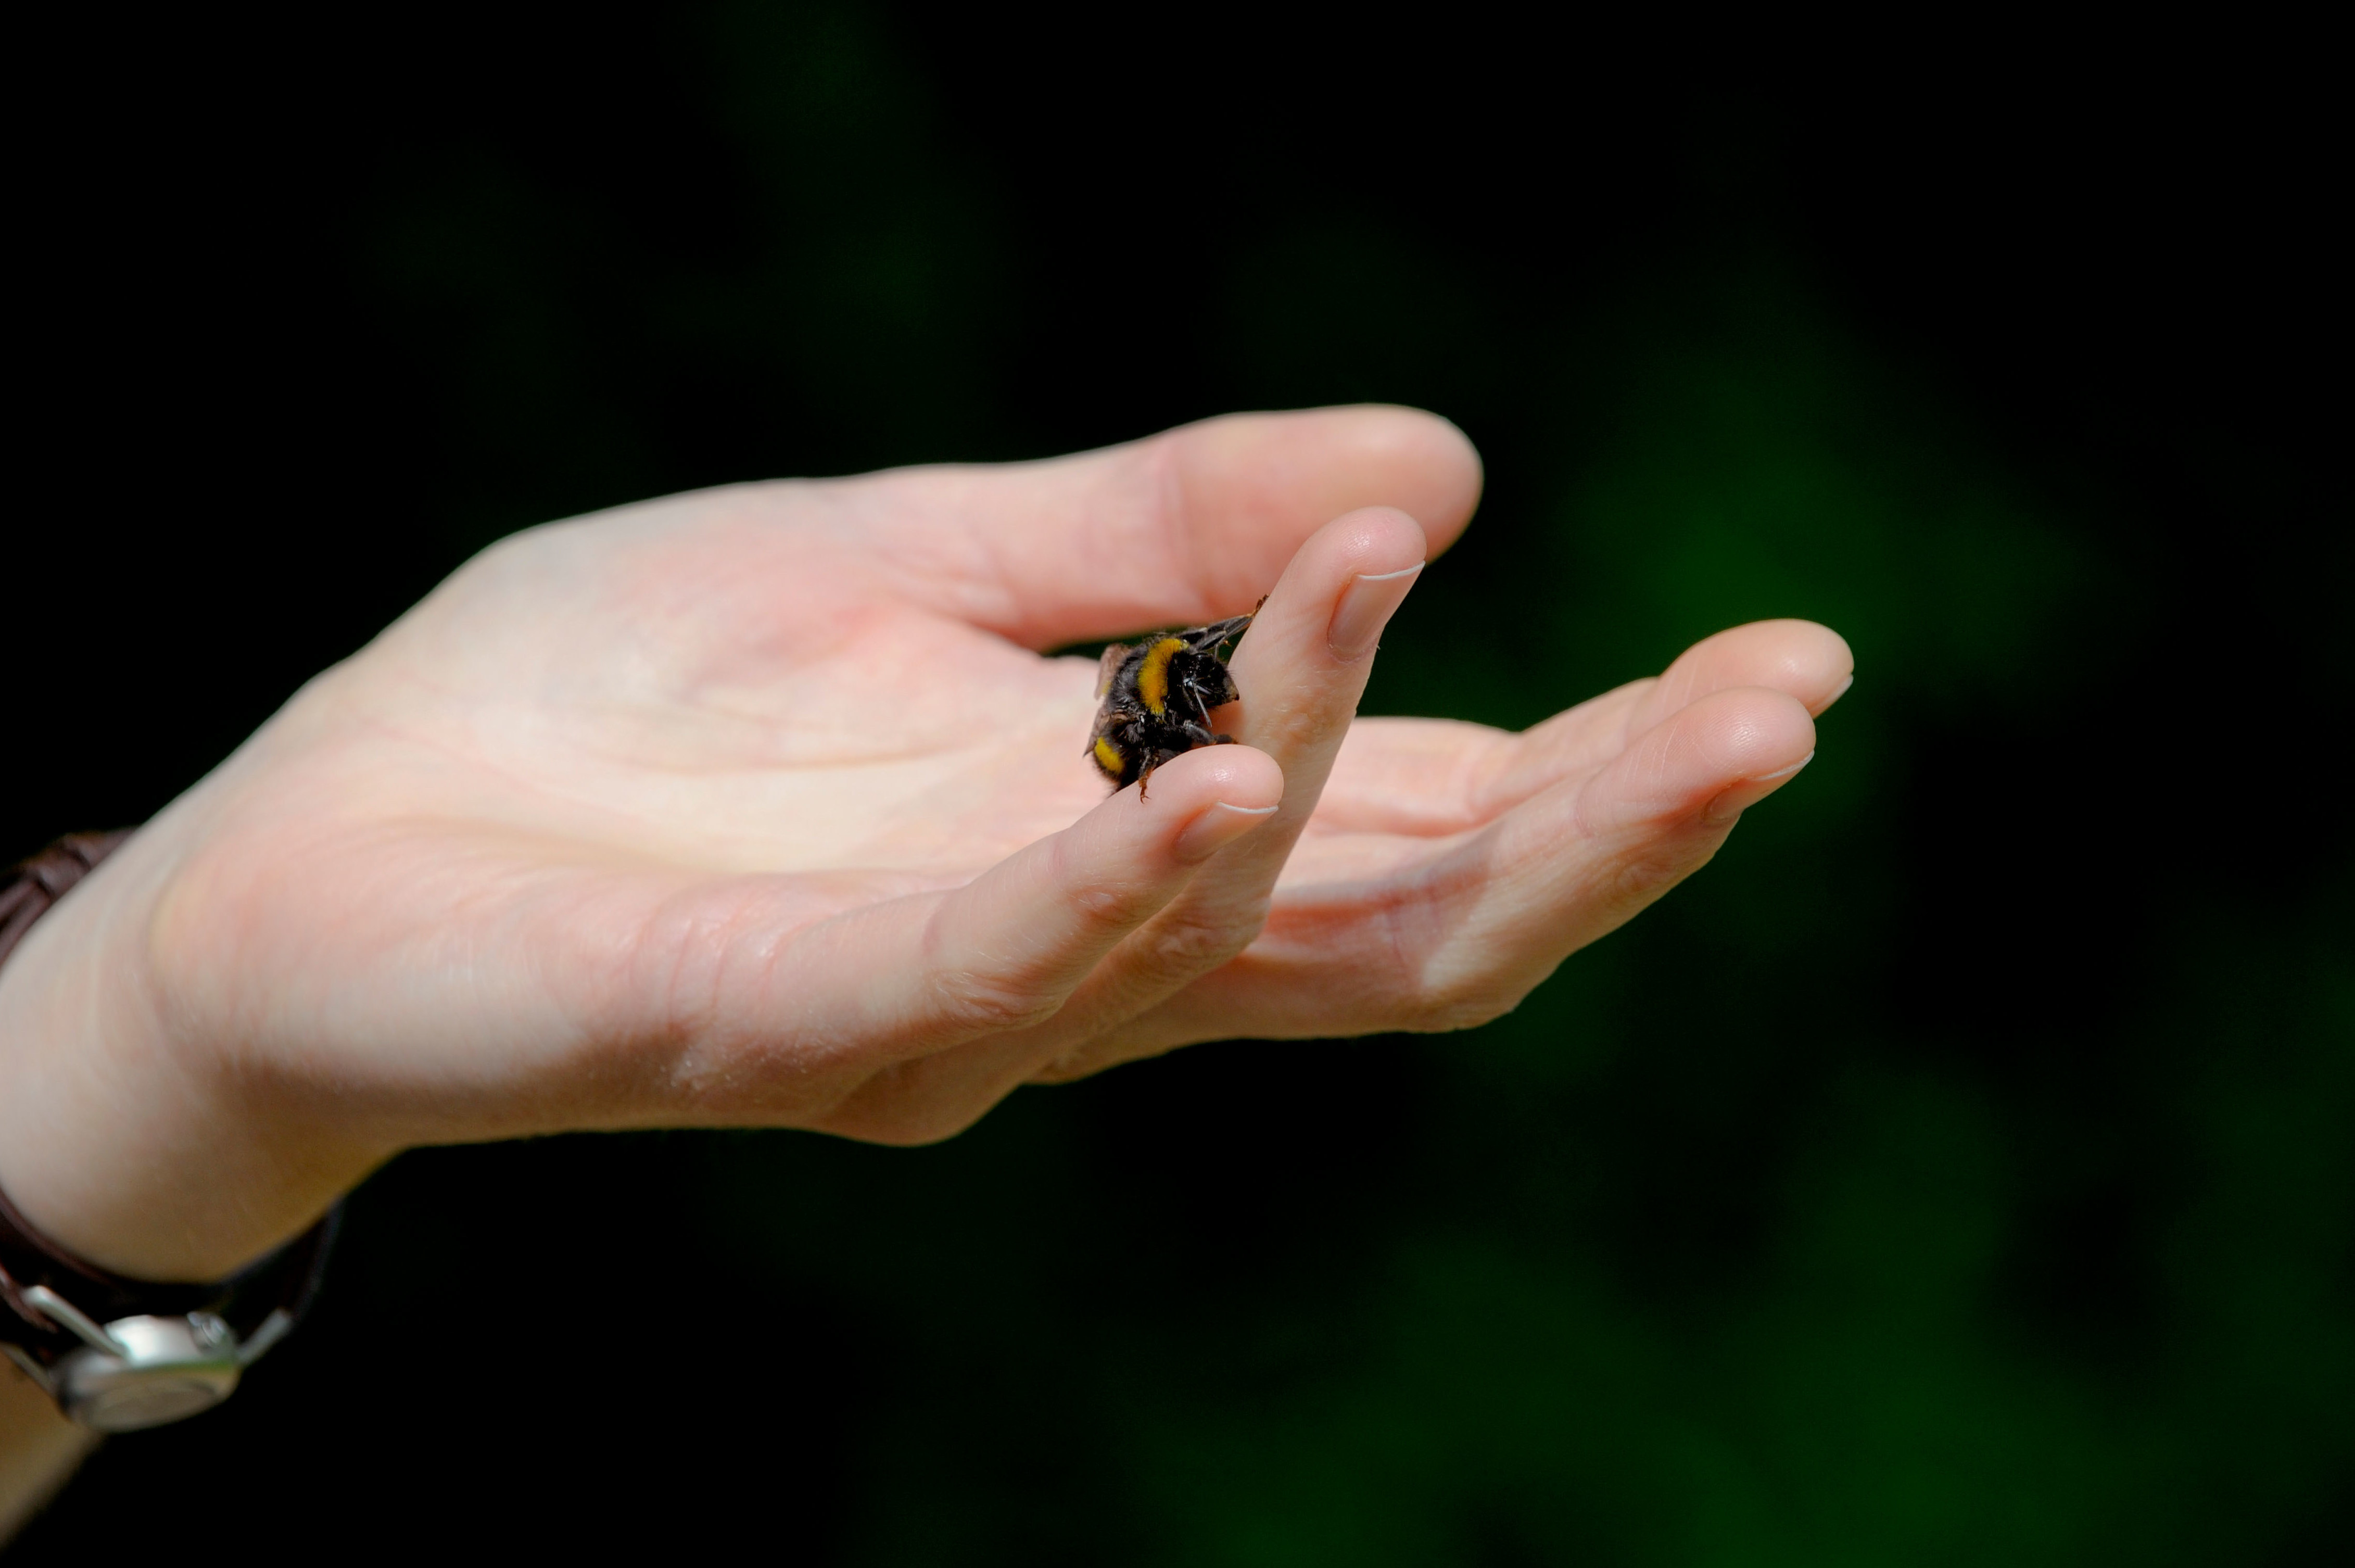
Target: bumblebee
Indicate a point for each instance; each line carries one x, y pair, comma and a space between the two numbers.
1157, 696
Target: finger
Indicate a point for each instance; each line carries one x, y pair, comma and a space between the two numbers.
1808, 663
1301, 669
1713, 757
1463, 936
1811, 663
917, 976
1427, 778
1580, 860
1182, 529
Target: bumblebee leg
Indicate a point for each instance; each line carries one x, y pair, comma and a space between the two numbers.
1154, 759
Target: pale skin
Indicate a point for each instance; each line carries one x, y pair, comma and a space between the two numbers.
762, 806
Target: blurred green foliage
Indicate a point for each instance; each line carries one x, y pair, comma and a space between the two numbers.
1958, 1170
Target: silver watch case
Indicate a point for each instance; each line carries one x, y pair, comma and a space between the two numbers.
137, 1372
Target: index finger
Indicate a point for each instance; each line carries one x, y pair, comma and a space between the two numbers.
1181, 529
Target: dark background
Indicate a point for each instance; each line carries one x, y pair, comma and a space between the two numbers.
1962, 1169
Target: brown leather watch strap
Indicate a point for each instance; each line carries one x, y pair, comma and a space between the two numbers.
285, 1279
29, 1258
36, 884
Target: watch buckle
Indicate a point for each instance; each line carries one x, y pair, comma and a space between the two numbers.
143, 1372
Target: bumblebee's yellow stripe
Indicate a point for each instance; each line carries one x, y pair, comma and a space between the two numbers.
1153, 674
1108, 758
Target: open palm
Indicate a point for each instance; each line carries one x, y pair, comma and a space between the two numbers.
762, 806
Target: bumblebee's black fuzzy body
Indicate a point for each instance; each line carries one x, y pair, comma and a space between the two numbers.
1157, 696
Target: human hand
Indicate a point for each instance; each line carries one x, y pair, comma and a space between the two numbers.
757, 806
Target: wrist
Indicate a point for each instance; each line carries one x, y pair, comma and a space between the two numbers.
122, 1141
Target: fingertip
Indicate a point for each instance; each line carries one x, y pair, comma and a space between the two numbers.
1186, 786
1810, 662
1440, 469
1773, 740
1026, 931
1818, 664
1215, 827
1710, 760
1373, 541
1338, 593
1756, 731
1326, 461
1237, 776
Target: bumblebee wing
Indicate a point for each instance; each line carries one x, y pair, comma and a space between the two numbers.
1109, 666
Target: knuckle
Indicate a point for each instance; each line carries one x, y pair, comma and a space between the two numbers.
973, 1002
1110, 904
1196, 944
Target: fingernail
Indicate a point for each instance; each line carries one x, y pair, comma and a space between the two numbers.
1733, 802
1365, 610
1836, 695
1783, 772
1216, 828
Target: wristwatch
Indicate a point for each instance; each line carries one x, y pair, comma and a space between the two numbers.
116, 1353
